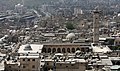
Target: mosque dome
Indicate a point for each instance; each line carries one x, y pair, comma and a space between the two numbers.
1, 41
118, 14
6, 36
70, 36
35, 26
27, 47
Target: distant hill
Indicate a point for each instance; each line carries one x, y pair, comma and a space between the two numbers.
29, 3
35, 3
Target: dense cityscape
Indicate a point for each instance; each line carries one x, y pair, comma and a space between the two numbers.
59, 35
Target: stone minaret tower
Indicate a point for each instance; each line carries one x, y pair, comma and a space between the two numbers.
96, 14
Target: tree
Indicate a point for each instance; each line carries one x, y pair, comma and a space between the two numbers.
70, 26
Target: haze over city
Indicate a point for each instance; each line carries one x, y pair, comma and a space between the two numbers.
59, 35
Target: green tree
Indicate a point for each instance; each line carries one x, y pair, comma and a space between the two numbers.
70, 26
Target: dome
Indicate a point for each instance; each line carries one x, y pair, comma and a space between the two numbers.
18, 4
78, 51
70, 35
35, 26
118, 34
118, 14
27, 47
61, 30
1, 41
6, 36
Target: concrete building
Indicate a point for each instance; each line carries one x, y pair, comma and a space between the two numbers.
67, 65
19, 8
77, 11
11, 65
29, 63
30, 57
64, 48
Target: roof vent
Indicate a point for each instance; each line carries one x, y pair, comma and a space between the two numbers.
27, 47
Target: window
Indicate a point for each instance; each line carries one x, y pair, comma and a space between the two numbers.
28, 59
60, 64
53, 50
59, 50
87, 49
72, 65
47, 63
33, 66
68, 50
49, 50
33, 59
77, 49
73, 50
23, 59
23, 66
44, 50
9, 66
82, 49
63, 50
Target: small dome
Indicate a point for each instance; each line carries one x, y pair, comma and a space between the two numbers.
18, 4
70, 35
118, 34
61, 30
1, 41
6, 36
118, 14
35, 26
78, 51
27, 47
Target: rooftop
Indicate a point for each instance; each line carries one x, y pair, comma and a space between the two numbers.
29, 57
115, 67
36, 48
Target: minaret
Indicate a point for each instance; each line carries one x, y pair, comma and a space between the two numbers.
23, 2
96, 14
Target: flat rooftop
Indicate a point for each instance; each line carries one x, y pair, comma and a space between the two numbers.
36, 48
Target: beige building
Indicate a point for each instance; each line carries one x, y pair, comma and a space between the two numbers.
11, 65
32, 58
67, 65
64, 48
29, 63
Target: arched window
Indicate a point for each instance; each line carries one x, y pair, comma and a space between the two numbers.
68, 50
77, 49
49, 50
87, 50
53, 50
82, 49
63, 50
44, 50
73, 50
59, 50
118, 63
